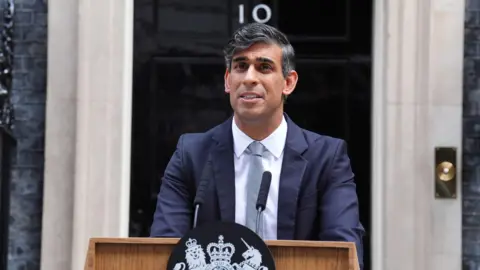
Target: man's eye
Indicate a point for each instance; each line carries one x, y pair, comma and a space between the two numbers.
242, 65
265, 67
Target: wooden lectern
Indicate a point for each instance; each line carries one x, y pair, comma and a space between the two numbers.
153, 253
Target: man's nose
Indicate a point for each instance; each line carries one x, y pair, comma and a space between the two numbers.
251, 76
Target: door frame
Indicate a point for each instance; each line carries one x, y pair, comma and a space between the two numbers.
417, 106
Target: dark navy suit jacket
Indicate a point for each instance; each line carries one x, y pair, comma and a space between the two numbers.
317, 193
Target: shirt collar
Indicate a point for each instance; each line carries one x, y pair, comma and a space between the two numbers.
274, 143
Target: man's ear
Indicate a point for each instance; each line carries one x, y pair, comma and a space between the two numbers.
227, 81
290, 83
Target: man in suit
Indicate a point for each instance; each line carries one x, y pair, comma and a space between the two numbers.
312, 194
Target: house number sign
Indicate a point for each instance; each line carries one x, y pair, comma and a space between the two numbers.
255, 10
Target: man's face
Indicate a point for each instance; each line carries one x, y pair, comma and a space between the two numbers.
256, 83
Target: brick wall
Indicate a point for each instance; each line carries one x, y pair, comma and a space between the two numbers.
28, 97
471, 138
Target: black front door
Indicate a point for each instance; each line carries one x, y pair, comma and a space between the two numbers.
178, 81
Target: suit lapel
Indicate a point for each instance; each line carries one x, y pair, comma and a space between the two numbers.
291, 176
224, 171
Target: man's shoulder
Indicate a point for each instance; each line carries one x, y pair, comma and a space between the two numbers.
324, 149
322, 146
317, 139
194, 137
311, 138
194, 140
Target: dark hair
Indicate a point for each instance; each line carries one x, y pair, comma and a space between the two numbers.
252, 33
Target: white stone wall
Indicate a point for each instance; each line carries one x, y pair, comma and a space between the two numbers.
418, 60
89, 108
60, 134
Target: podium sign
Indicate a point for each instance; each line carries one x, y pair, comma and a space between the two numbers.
221, 246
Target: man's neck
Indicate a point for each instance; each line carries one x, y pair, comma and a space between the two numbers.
259, 130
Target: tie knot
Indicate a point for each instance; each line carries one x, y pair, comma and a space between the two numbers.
256, 148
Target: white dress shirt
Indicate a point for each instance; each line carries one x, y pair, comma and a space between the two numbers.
272, 161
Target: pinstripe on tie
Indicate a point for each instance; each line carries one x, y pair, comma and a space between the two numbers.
255, 150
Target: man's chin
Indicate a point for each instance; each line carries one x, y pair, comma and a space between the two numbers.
250, 116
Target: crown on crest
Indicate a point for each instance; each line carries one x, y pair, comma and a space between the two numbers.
191, 243
220, 251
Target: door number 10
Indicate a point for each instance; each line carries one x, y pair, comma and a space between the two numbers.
268, 12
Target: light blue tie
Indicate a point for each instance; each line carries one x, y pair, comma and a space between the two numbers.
255, 150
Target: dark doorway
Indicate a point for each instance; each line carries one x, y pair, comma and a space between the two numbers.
178, 81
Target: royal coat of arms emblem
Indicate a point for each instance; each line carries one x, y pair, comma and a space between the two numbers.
220, 255
221, 246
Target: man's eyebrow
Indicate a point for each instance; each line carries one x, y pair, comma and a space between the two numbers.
240, 58
264, 59
259, 59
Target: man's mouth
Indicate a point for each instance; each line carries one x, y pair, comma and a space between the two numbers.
250, 96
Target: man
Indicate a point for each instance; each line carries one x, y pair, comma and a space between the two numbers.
312, 194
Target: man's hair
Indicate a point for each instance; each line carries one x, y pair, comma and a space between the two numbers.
253, 33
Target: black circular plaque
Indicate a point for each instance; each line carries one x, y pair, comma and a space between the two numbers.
221, 246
